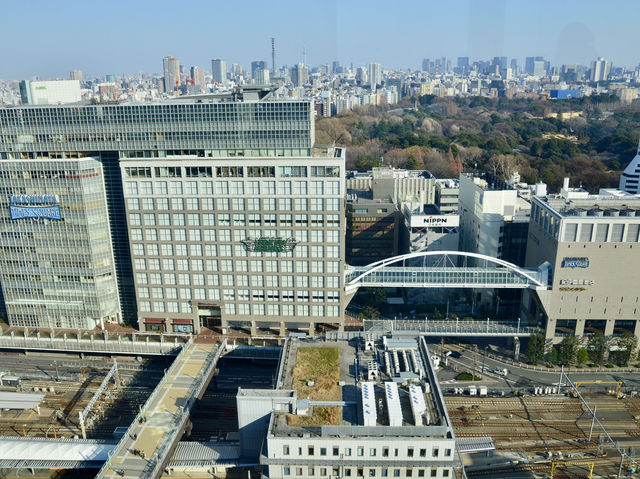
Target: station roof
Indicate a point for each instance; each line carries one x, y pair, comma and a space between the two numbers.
9, 400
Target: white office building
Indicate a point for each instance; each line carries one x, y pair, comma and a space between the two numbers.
50, 92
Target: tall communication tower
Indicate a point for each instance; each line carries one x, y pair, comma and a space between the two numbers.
273, 56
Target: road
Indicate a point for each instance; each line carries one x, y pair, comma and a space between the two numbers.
519, 377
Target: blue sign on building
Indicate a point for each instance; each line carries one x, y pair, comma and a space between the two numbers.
34, 206
575, 262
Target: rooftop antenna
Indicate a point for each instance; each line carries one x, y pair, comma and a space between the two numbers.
273, 56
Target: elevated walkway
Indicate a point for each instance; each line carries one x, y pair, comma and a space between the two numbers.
148, 444
139, 344
444, 269
505, 329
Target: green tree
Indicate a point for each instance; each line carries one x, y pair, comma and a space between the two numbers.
412, 163
583, 356
535, 348
380, 296
552, 355
568, 350
627, 343
597, 346
371, 312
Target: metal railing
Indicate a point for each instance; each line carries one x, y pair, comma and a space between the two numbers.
87, 345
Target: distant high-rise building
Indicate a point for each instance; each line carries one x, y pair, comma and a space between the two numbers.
237, 69
362, 77
500, 62
262, 77
600, 70
463, 63
76, 75
539, 68
300, 74
425, 65
257, 64
514, 66
273, 56
335, 67
630, 178
197, 78
171, 66
375, 75
219, 70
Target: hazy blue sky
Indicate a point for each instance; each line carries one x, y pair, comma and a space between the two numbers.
48, 38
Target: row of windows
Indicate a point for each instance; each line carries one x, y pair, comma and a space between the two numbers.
227, 250
224, 187
254, 266
362, 451
244, 309
237, 204
228, 235
226, 219
272, 295
209, 250
337, 471
258, 281
157, 113
229, 171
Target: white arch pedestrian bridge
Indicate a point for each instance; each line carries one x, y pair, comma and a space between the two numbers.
445, 269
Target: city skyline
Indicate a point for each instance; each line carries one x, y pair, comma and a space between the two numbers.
350, 32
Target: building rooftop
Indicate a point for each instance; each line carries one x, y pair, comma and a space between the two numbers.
391, 391
247, 94
576, 202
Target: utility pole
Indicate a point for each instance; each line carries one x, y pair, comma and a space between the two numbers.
593, 421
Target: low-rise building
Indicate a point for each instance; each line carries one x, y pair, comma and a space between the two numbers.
394, 423
590, 242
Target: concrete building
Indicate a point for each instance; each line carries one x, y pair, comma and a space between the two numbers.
262, 77
630, 178
373, 229
600, 70
427, 227
219, 70
197, 79
447, 195
257, 64
375, 75
56, 261
493, 218
379, 428
171, 69
236, 242
206, 206
589, 241
413, 186
76, 75
55, 92
300, 75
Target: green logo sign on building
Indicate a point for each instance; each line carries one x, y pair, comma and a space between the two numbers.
269, 245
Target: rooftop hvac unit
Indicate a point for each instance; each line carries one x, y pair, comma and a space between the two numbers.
393, 404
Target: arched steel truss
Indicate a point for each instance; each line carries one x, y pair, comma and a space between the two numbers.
443, 272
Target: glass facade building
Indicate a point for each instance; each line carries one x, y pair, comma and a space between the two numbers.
56, 260
217, 204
